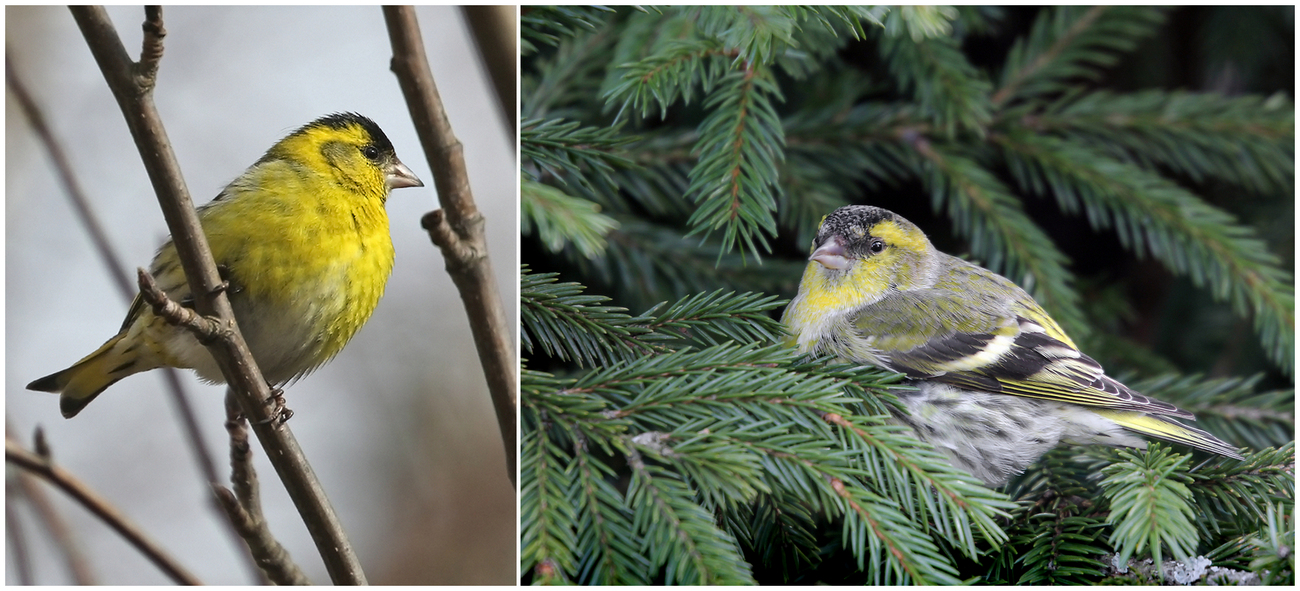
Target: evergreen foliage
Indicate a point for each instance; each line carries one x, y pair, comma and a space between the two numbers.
677, 161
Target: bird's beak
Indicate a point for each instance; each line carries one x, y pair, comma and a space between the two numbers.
399, 176
831, 254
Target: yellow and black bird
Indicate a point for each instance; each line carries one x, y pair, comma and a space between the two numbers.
998, 383
302, 240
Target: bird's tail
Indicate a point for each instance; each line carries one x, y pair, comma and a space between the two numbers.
1170, 430
82, 382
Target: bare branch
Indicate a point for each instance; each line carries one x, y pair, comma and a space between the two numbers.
40, 501
43, 467
457, 229
245, 506
116, 269
242, 475
208, 331
63, 171
230, 350
151, 49
64, 538
17, 544
496, 34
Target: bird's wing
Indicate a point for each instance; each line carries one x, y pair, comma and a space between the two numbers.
137, 306
1002, 353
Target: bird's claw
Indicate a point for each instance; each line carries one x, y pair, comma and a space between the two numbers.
280, 414
225, 285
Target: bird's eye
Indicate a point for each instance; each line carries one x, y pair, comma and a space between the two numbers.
877, 246
370, 152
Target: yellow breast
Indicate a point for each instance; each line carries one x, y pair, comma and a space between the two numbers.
310, 263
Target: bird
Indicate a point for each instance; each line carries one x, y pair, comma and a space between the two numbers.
998, 383
302, 243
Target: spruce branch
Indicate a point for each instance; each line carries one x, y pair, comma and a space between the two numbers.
560, 220
669, 75
547, 542
919, 22
548, 24
1233, 408
568, 325
1247, 140
556, 146
1071, 42
985, 211
605, 522
797, 459
1273, 547
563, 80
1152, 215
949, 91
1150, 505
680, 536
645, 263
741, 142
1237, 495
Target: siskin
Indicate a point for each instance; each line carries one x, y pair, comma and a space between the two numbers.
998, 383
301, 239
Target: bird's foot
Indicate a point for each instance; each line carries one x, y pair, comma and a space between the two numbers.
280, 414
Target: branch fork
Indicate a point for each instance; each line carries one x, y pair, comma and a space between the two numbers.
206, 329
461, 243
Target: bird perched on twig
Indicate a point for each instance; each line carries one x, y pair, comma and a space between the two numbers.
998, 383
301, 239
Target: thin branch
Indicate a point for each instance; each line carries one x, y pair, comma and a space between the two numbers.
67, 541
457, 229
245, 505
131, 86
243, 477
496, 35
41, 466
151, 50
1014, 84
63, 172
63, 537
116, 270
17, 541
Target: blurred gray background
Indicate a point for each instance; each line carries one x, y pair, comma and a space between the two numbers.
399, 427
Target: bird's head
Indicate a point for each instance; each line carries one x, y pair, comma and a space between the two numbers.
869, 252
349, 149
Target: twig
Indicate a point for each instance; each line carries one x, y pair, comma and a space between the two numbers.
458, 228
16, 455
117, 270
496, 31
131, 87
206, 330
58, 528
243, 477
67, 541
63, 171
17, 543
245, 506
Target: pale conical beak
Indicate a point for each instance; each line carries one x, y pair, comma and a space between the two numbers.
831, 254
399, 176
